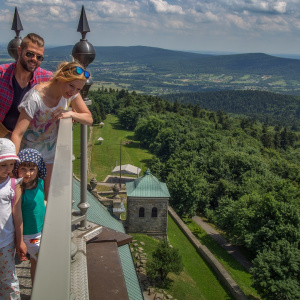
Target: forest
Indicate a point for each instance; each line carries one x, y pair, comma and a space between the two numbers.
270, 108
242, 174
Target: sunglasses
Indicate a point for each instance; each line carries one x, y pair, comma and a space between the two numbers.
30, 54
79, 71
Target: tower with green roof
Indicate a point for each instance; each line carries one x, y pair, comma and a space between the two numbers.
147, 206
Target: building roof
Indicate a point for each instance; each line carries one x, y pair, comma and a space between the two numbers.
97, 213
147, 186
127, 169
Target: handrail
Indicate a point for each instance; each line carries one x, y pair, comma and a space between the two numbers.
52, 278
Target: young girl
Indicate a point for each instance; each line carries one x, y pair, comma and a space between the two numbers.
10, 222
31, 168
44, 105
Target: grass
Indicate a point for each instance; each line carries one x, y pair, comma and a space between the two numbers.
76, 149
104, 156
239, 274
197, 281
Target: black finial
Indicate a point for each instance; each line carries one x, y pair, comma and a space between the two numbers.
83, 25
16, 24
13, 45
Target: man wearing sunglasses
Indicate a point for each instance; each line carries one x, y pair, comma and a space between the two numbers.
19, 77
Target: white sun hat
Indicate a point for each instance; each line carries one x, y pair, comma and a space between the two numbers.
7, 150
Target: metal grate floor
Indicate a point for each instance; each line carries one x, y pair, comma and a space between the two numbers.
23, 273
79, 283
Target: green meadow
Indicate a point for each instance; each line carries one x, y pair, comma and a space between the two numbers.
105, 156
196, 281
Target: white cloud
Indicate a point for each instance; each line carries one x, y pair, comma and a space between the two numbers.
164, 7
135, 21
258, 6
279, 7
54, 11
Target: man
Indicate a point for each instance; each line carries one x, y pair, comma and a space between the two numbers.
17, 78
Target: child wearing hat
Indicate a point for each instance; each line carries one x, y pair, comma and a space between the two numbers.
32, 169
10, 222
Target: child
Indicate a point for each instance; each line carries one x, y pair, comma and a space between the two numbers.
31, 168
10, 222
42, 108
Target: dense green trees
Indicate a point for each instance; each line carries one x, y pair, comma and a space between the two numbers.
263, 106
242, 174
165, 259
276, 271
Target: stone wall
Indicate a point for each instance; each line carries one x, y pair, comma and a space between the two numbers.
219, 270
155, 226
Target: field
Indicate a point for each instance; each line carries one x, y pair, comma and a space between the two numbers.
196, 281
106, 155
236, 271
146, 81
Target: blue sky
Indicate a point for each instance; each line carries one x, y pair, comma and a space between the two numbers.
209, 25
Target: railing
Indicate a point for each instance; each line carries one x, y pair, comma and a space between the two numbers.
52, 278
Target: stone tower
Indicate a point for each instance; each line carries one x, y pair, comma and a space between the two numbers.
147, 206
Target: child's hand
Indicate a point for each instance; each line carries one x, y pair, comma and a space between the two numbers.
21, 251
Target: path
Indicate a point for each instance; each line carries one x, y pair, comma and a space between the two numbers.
221, 241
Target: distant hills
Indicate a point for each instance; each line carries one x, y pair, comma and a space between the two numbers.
157, 71
170, 60
135, 54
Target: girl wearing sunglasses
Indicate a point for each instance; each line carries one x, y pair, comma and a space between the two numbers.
42, 108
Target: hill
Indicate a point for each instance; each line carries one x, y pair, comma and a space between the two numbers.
133, 54
275, 109
186, 62
157, 71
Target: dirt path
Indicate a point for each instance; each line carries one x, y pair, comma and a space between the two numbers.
233, 251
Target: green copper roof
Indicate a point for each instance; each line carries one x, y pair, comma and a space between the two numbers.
147, 186
97, 213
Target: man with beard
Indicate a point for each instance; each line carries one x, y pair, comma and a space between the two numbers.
17, 78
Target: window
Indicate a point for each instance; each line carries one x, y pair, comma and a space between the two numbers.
142, 212
154, 212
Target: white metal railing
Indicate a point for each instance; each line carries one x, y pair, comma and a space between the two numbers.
52, 278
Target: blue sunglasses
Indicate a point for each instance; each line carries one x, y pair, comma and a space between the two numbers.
79, 71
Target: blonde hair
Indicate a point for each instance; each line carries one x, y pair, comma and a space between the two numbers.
66, 72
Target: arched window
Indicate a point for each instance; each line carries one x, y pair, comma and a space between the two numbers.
154, 212
142, 212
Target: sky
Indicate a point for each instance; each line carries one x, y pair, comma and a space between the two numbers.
238, 26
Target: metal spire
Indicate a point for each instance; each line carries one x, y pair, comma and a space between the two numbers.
16, 24
12, 47
83, 25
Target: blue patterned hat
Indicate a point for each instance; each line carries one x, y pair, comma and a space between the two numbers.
34, 156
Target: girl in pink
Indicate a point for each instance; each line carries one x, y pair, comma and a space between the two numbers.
11, 223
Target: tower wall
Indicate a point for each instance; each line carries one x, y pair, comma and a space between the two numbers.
148, 224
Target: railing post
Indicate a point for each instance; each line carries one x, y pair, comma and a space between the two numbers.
84, 53
83, 205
